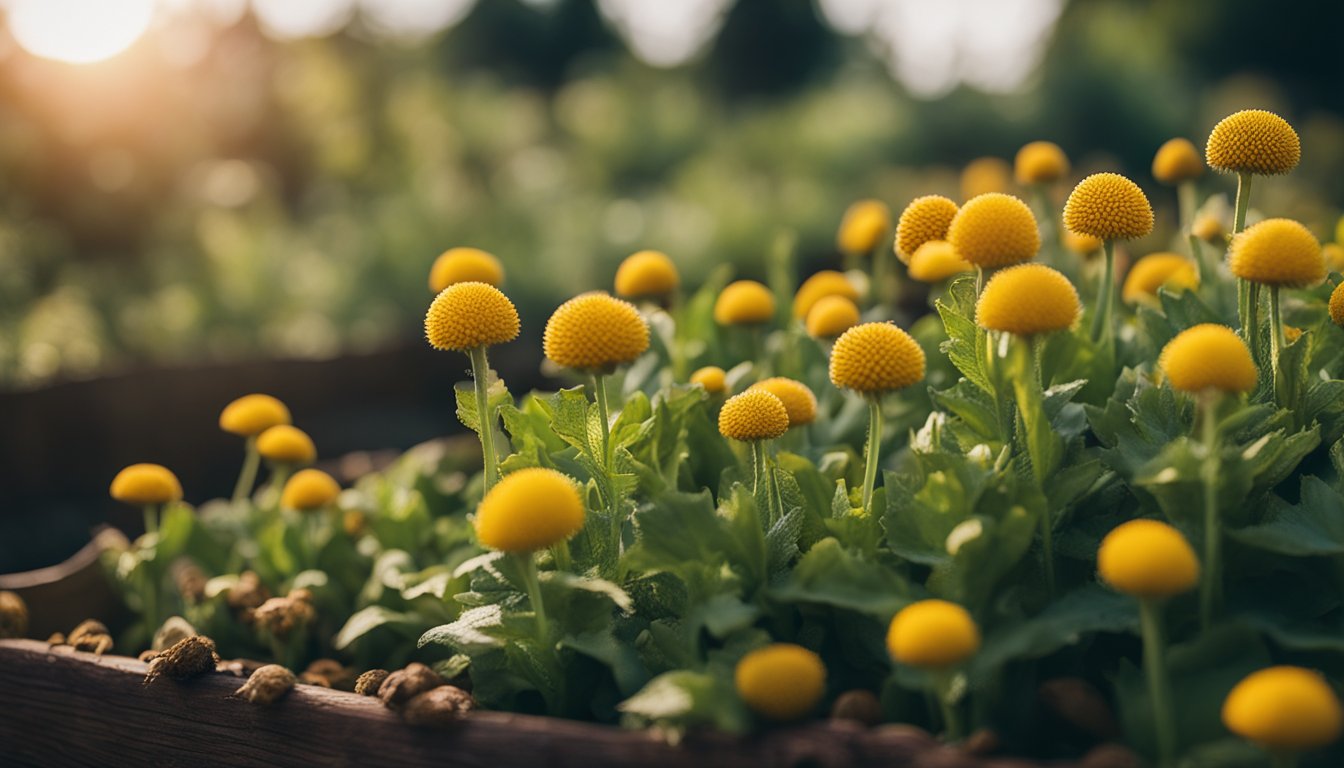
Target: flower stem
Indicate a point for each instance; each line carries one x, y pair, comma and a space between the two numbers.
942, 684
1154, 665
979, 280
248, 476
1244, 298
608, 460
533, 585
151, 518
1030, 404
757, 465
1209, 586
485, 418
1275, 336
1243, 202
1187, 200
871, 451
1103, 324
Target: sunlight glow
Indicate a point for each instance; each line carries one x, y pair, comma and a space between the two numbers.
79, 31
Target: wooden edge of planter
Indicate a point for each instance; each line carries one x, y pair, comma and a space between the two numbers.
62, 707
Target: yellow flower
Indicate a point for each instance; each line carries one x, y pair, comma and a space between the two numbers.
831, 316
1208, 356
309, 489
1155, 271
925, 218
984, 175
142, 484
1337, 305
825, 283
251, 415
465, 316
712, 378
1208, 228
753, 415
864, 225
1040, 162
647, 273
932, 634
1284, 708
781, 681
1334, 256
745, 302
1108, 206
287, 445
1147, 558
1291, 333
594, 331
876, 357
1082, 245
1277, 252
798, 400
994, 230
1253, 141
528, 510
464, 265
936, 261
1176, 161
1026, 300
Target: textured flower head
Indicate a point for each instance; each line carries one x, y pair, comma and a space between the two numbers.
994, 230
744, 302
781, 682
308, 490
753, 415
932, 634
286, 444
984, 175
1208, 356
1253, 141
1277, 252
864, 225
1208, 228
1284, 709
1108, 206
1176, 161
1337, 305
142, 484
528, 510
876, 357
825, 283
1080, 244
936, 261
594, 331
465, 265
925, 218
797, 398
1040, 162
1147, 558
647, 274
831, 316
712, 378
1157, 270
465, 316
251, 415
1026, 300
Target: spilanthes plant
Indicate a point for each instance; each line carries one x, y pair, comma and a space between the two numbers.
1109, 207
994, 230
936, 261
1171, 271
821, 285
1177, 163
152, 487
749, 305
464, 265
925, 219
864, 228
756, 417
1038, 166
1336, 306
938, 637
1285, 711
286, 448
780, 682
831, 316
248, 417
648, 275
310, 492
712, 378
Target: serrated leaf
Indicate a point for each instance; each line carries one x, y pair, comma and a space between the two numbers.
831, 575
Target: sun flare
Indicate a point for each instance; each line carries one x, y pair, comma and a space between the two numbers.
79, 31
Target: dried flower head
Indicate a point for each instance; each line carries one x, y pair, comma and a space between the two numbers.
864, 225
932, 634
936, 261
438, 707
825, 283
1040, 162
1080, 244
530, 509
466, 316
465, 265
1158, 270
267, 685
286, 444
405, 684
282, 616
368, 683
13, 615
925, 218
142, 484
1277, 252
1108, 206
1253, 141
309, 489
1284, 709
781, 681
994, 230
594, 331
247, 594
647, 274
876, 357
984, 175
798, 400
191, 657
251, 415
1028, 299
1208, 356
1147, 558
753, 415
171, 632
1176, 161
831, 316
712, 378
744, 302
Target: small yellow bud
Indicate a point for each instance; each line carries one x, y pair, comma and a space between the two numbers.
781, 681
1147, 558
932, 634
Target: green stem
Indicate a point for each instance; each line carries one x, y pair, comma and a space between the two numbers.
1030, 404
1276, 339
480, 374
151, 518
608, 460
1253, 318
757, 465
1187, 200
533, 585
1209, 588
776, 497
871, 451
943, 692
1103, 324
1243, 202
1154, 665
248, 476
979, 280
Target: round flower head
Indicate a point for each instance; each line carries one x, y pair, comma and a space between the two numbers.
1147, 558
1080, 244
647, 273
1108, 206
1334, 256
142, 484
287, 445
1277, 252
251, 415
745, 302
1157, 270
932, 634
1208, 228
1291, 333
1284, 708
864, 225
1176, 161
464, 265
825, 283
309, 489
594, 331
1040, 162
994, 230
712, 378
1253, 141
1337, 305
753, 415
831, 316
798, 400
984, 175
465, 316
781, 681
924, 219
528, 510
1026, 300
936, 261
875, 358
1208, 356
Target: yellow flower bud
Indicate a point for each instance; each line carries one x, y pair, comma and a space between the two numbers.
142, 484
1108, 206
798, 400
781, 681
876, 357
1284, 708
994, 230
1208, 228
1157, 270
1253, 141
1082, 245
1277, 252
925, 218
864, 225
1026, 300
309, 489
753, 415
1147, 558
831, 316
465, 265
647, 274
984, 175
594, 331
287, 445
465, 316
932, 634
1208, 356
528, 510
825, 283
1040, 162
253, 414
936, 261
745, 302
1176, 161
712, 378
1337, 305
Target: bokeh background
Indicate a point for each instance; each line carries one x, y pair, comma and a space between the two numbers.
203, 198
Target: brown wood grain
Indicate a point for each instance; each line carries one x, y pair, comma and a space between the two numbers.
62, 708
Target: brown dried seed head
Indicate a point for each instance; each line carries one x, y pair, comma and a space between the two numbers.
147, 656
308, 678
405, 684
302, 593
859, 706
190, 657
189, 579
92, 636
267, 684
248, 593
13, 615
282, 615
340, 677
439, 706
174, 630
86, 628
367, 684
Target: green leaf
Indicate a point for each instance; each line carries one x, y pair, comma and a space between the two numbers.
1314, 526
682, 698
965, 345
368, 619
496, 394
831, 575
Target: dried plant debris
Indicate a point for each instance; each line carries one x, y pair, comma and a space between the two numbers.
174, 630
367, 684
857, 706
239, 667
148, 656
91, 635
439, 706
405, 684
329, 673
189, 658
247, 595
281, 616
13, 615
189, 579
267, 684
